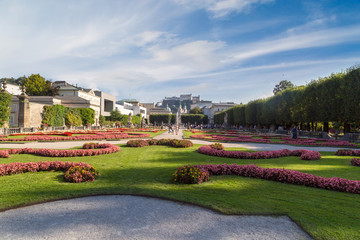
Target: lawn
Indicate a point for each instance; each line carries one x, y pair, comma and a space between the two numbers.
148, 171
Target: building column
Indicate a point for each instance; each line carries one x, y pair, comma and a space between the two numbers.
24, 111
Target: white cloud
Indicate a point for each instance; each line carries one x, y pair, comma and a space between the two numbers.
221, 8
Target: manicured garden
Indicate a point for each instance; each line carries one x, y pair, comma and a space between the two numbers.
235, 136
149, 170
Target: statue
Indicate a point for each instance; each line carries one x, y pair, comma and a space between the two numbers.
143, 123
225, 120
129, 123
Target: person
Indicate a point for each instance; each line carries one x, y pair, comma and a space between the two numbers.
294, 132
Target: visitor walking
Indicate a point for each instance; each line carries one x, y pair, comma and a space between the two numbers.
294, 132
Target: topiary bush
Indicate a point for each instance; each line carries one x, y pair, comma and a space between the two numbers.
79, 174
190, 175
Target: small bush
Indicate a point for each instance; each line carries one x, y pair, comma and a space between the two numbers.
190, 175
217, 146
79, 174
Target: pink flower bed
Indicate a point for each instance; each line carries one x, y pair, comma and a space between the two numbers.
105, 148
347, 152
166, 142
18, 168
98, 136
355, 162
265, 139
304, 154
284, 176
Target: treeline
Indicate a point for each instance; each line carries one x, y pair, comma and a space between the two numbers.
122, 119
58, 115
335, 99
171, 118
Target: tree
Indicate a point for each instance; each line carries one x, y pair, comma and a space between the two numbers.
115, 115
36, 85
72, 117
284, 84
196, 110
87, 115
5, 99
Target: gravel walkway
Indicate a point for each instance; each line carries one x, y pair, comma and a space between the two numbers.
131, 217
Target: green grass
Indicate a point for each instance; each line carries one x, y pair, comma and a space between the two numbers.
148, 171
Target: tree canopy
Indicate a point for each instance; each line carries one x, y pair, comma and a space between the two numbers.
196, 110
36, 85
284, 84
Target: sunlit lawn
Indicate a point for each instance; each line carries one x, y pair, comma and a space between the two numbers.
148, 171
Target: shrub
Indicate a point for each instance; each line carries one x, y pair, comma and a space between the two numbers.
347, 152
90, 145
190, 175
137, 143
217, 146
79, 174
355, 162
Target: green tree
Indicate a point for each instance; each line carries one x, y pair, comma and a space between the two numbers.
102, 120
196, 110
36, 85
72, 117
284, 84
5, 99
115, 115
87, 115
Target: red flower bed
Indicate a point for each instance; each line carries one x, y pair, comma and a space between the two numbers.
355, 162
166, 142
284, 176
98, 136
105, 148
304, 154
18, 168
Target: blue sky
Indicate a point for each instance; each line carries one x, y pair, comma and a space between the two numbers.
223, 50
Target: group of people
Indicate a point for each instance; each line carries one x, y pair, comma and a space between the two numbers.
174, 129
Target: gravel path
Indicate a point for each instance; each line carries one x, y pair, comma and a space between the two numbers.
131, 217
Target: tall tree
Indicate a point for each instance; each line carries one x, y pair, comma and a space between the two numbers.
196, 110
36, 85
5, 99
284, 84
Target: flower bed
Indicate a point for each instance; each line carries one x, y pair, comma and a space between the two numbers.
229, 137
98, 136
284, 176
80, 172
347, 152
304, 154
355, 162
105, 148
166, 142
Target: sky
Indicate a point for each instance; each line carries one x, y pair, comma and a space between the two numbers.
222, 50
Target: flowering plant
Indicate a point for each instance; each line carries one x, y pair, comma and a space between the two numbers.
217, 146
85, 171
355, 162
274, 174
81, 174
190, 174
